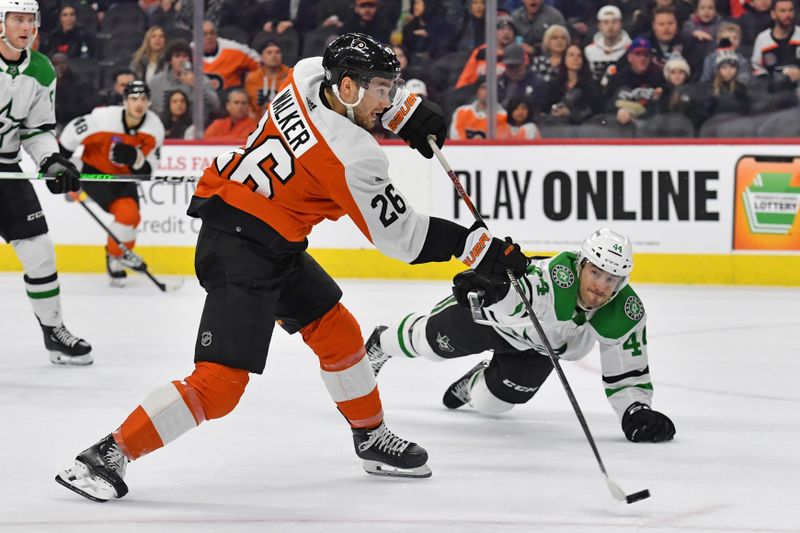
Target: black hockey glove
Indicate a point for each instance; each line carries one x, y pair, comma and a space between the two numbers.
642, 424
427, 119
124, 154
67, 177
470, 281
489, 256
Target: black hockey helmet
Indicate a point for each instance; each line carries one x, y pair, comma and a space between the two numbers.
360, 57
136, 87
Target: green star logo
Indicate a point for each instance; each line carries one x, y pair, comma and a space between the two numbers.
634, 308
8, 123
771, 203
563, 276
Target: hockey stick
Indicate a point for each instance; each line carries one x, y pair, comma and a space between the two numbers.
130, 256
615, 489
104, 177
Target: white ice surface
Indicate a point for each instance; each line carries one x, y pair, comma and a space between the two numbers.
725, 363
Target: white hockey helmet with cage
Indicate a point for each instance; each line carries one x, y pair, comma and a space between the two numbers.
19, 6
609, 251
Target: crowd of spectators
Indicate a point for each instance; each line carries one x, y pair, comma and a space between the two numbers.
589, 68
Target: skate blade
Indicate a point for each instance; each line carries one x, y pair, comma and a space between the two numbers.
118, 283
382, 469
58, 358
79, 480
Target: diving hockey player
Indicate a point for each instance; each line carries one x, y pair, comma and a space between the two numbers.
122, 139
311, 158
27, 120
581, 299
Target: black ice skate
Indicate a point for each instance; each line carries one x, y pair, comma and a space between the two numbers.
458, 394
386, 454
377, 357
116, 270
65, 348
97, 473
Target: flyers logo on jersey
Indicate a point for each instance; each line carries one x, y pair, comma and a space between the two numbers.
291, 122
401, 114
477, 250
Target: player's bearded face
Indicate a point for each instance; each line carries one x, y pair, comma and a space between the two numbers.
375, 101
596, 286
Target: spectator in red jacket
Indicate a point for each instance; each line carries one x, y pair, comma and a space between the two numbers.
238, 124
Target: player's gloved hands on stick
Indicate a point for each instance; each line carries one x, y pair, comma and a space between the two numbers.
67, 177
470, 281
642, 424
125, 154
490, 257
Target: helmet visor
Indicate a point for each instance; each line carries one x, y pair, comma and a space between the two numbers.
385, 89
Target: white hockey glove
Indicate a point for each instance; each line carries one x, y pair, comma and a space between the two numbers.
413, 119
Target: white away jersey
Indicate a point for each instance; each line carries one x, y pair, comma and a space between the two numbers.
27, 108
619, 328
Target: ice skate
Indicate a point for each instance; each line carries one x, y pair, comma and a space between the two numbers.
116, 270
377, 357
386, 454
458, 394
65, 348
97, 473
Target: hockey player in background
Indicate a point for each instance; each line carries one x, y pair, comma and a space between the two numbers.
311, 158
27, 120
122, 139
581, 299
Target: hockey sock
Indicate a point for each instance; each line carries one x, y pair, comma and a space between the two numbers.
406, 338
212, 391
41, 280
345, 369
126, 218
482, 399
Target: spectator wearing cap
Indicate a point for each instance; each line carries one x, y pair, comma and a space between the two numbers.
472, 30
725, 94
757, 18
476, 64
667, 40
776, 52
633, 87
729, 37
261, 85
178, 74
554, 43
226, 60
238, 124
572, 95
427, 33
679, 97
471, 121
610, 42
532, 20
520, 121
417, 86
518, 80
367, 18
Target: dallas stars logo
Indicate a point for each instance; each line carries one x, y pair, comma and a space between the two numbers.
444, 342
8, 123
563, 276
634, 308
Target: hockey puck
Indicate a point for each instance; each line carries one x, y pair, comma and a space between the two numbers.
637, 496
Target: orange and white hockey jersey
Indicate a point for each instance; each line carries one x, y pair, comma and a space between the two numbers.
471, 122
231, 62
105, 126
306, 163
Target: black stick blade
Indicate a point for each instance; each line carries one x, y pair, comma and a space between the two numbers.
637, 496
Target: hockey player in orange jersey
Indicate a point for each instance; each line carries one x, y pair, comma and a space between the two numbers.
311, 158
117, 140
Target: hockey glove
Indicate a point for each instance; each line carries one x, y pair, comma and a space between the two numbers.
125, 154
488, 292
67, 177
642, 424
413, 119
490, 257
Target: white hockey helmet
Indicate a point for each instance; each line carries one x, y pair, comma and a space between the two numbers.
609, 251
19, 6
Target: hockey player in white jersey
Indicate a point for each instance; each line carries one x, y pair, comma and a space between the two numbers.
27, 120
122, 139
582, 299
311, 158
